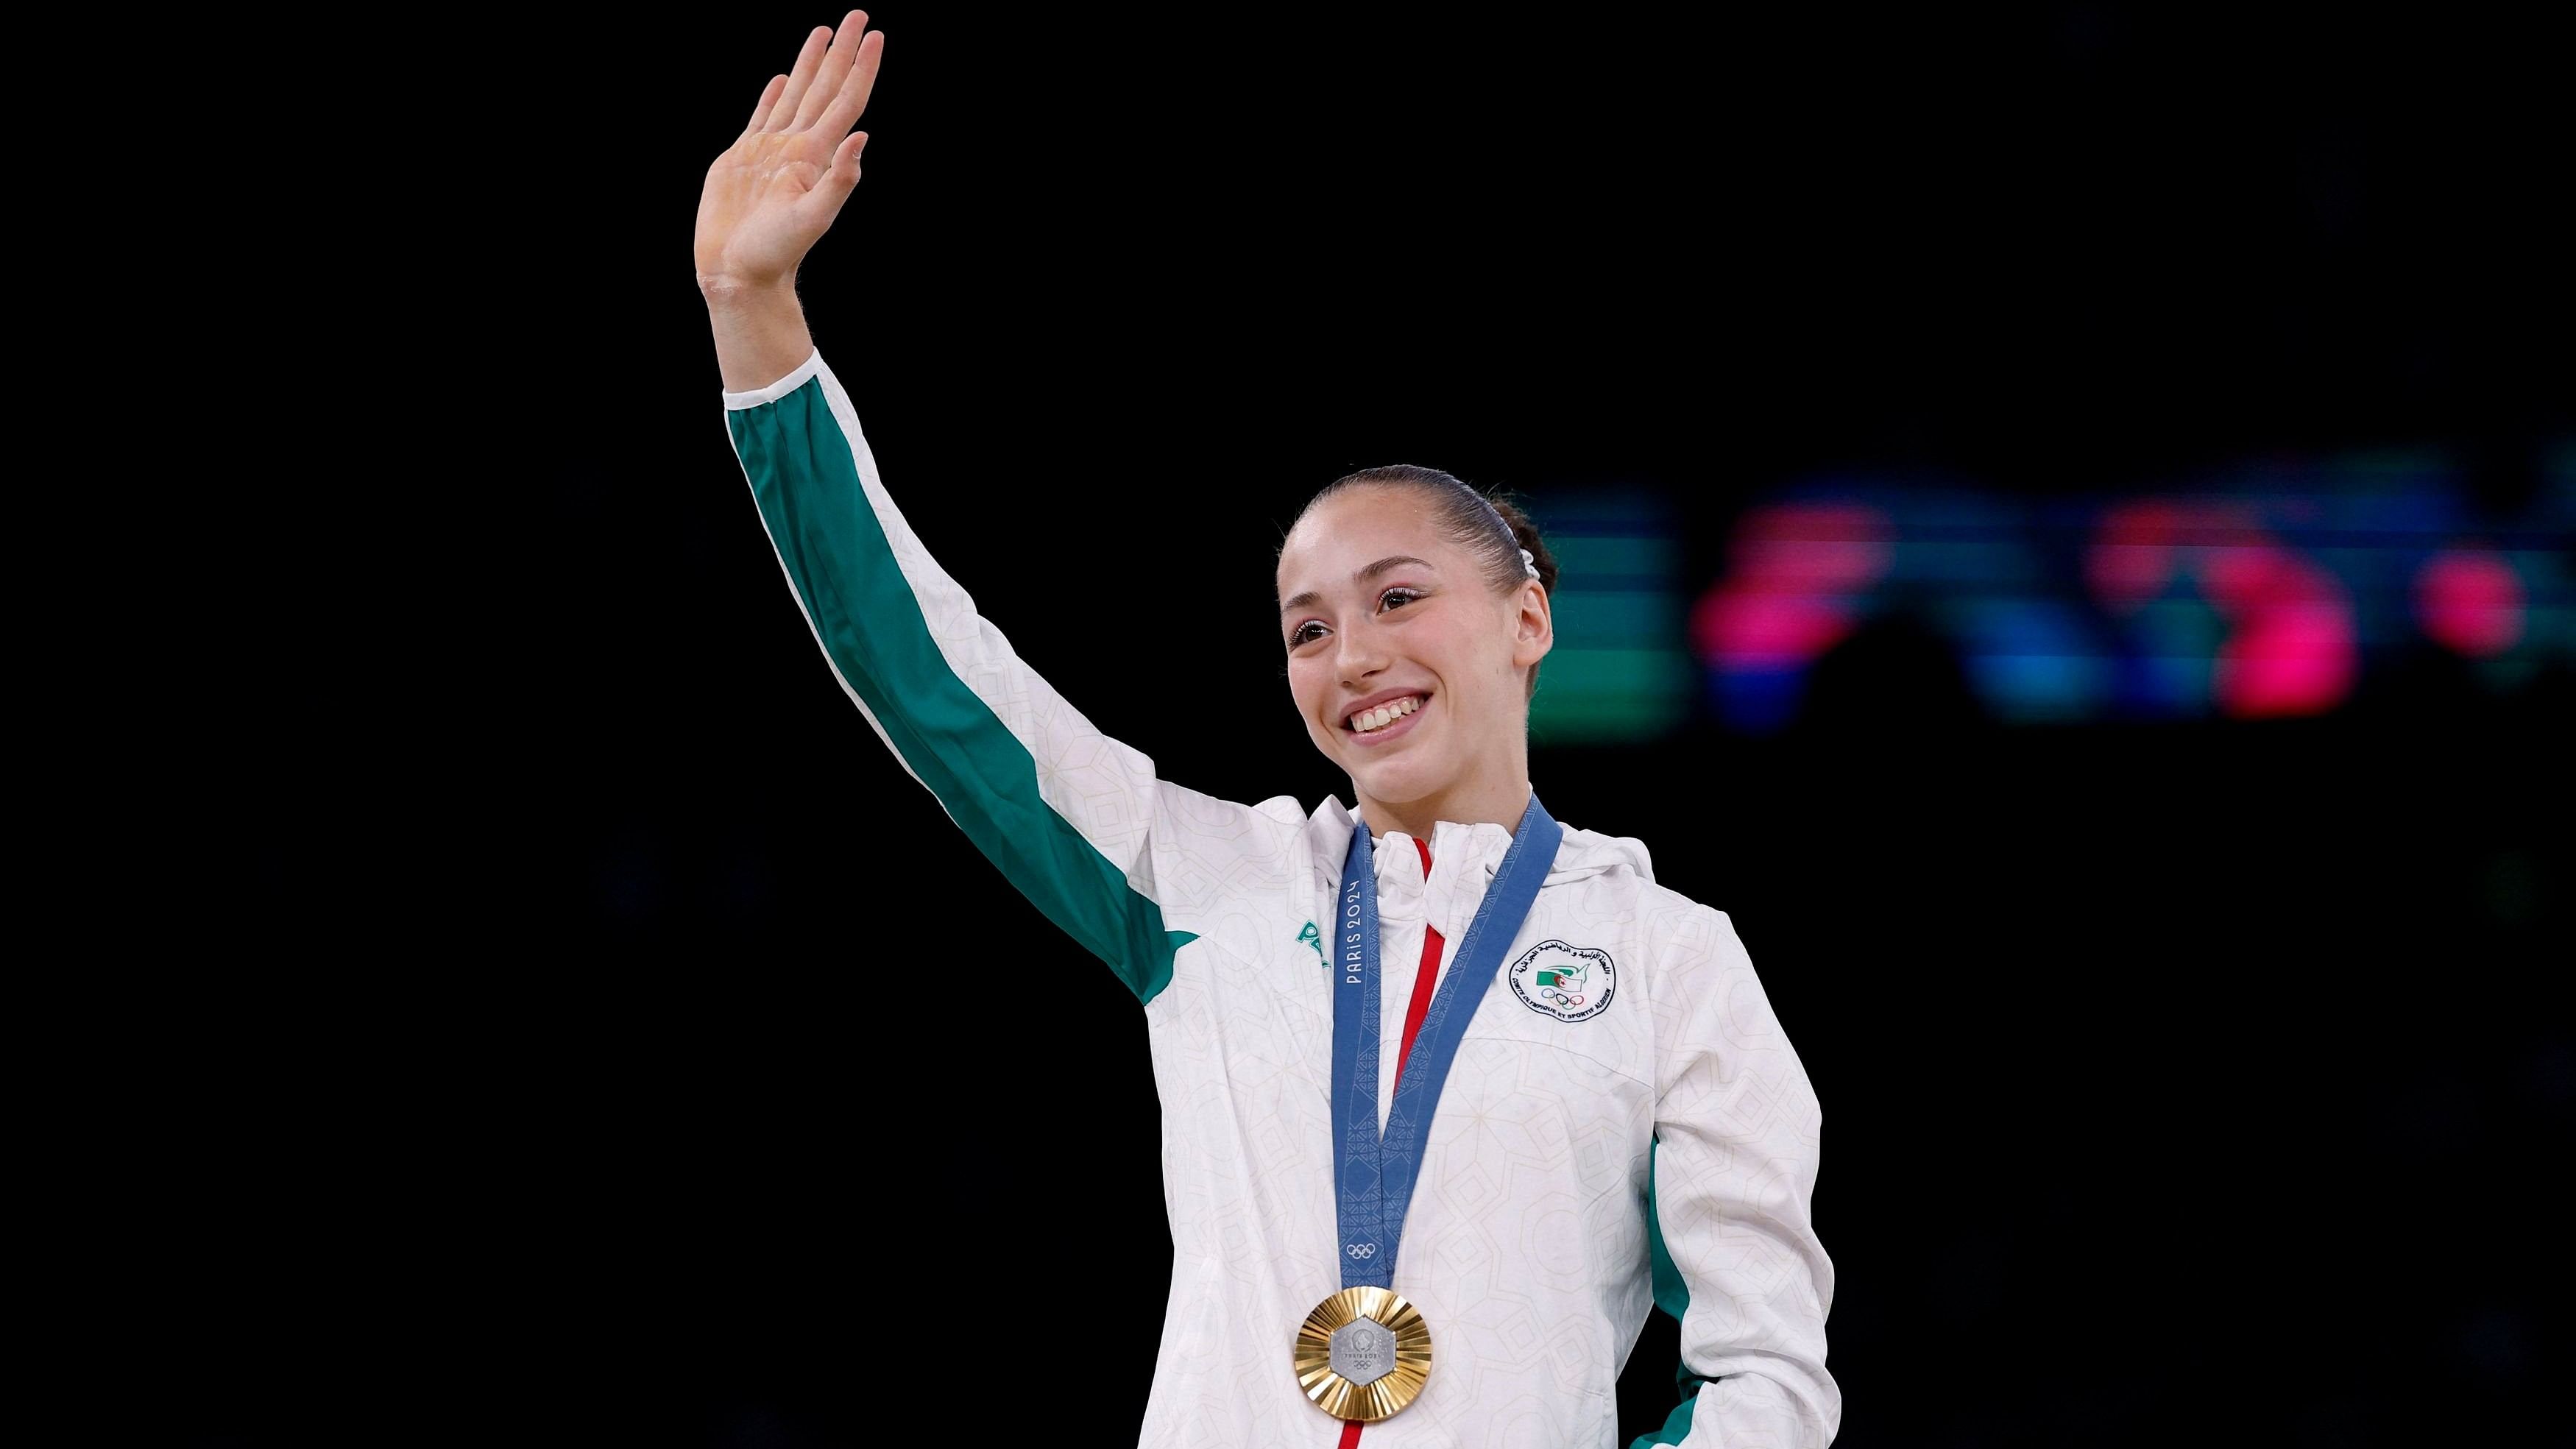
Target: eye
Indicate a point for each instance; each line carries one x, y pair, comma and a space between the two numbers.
1306, 633
1397, 598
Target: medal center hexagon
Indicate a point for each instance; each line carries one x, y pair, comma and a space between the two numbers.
1363, 1351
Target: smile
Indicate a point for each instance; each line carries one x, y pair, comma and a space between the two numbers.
1379, 716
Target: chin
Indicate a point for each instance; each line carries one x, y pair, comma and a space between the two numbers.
1395, 783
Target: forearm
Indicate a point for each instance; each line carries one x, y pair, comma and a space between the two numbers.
759, 329
1744, 1273
1738, 1131
1798, 1409
1065, 813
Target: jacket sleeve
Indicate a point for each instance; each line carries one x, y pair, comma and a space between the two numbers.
1735, 1256
1065, 812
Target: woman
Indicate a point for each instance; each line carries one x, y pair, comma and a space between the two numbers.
1420, 1197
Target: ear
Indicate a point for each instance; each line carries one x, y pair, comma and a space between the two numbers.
1533, 625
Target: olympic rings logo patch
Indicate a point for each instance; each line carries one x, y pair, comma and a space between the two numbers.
1362, 1250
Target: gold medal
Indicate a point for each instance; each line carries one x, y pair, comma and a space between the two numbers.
1363, 1354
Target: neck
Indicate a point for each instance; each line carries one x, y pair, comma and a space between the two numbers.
1498, 803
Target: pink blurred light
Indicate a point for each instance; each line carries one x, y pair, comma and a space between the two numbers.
1825, 547
2293, 660
2141, 546
1744, 626
2293, 650
2470, 600
2132, 557
1788, 597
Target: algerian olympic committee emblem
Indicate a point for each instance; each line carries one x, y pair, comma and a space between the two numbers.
1570, 983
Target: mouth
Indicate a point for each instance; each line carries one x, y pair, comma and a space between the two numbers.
1384, 719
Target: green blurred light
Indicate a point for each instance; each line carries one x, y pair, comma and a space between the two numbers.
1593, 695
1587, 558
1621, 670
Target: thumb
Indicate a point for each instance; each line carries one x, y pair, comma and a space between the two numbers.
844, 173
835, 185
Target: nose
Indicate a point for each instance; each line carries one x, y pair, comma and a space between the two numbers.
1358, 654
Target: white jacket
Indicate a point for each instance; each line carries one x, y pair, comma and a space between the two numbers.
1644, 1135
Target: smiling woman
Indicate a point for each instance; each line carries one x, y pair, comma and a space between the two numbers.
1626, 1127
1413, 670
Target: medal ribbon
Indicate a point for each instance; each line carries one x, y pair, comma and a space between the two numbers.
1374, 1173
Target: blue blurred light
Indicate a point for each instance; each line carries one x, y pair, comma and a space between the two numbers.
2033, 660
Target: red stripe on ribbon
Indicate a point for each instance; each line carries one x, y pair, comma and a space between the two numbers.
1427, 975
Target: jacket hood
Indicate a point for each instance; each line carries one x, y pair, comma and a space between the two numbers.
1582, 855
1586, 853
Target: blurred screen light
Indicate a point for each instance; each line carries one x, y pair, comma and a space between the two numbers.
2470, 600
2261, 592
1796, 585
2291, 650
1620, 669
2033, 660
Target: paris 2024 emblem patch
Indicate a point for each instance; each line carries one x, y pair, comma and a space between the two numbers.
1570, 983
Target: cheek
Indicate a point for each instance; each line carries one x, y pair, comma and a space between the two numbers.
1462, 652
1305, 685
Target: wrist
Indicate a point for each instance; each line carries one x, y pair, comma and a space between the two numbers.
725, 291
759, 329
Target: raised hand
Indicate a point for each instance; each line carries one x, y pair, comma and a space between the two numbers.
774, 192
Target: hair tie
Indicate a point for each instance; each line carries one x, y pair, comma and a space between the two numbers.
1529, 563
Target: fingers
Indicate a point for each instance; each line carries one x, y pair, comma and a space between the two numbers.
852, 98
808, 61
836, 66
768, 101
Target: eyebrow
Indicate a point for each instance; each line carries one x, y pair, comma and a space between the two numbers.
1391, 561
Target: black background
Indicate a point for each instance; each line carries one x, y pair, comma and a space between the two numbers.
653, 1044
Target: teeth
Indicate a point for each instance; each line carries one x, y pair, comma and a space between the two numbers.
1385, 714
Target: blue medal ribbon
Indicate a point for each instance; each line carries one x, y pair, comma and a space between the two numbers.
1374, 1173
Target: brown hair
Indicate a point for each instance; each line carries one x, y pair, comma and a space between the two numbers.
1491, 528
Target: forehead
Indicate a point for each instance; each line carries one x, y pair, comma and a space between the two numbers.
1358, 526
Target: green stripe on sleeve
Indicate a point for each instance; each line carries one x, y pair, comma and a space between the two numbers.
1672, 1295
805, 477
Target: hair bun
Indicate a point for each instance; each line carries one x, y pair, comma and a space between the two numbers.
1542, 564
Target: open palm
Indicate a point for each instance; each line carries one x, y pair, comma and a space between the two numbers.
775, 190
